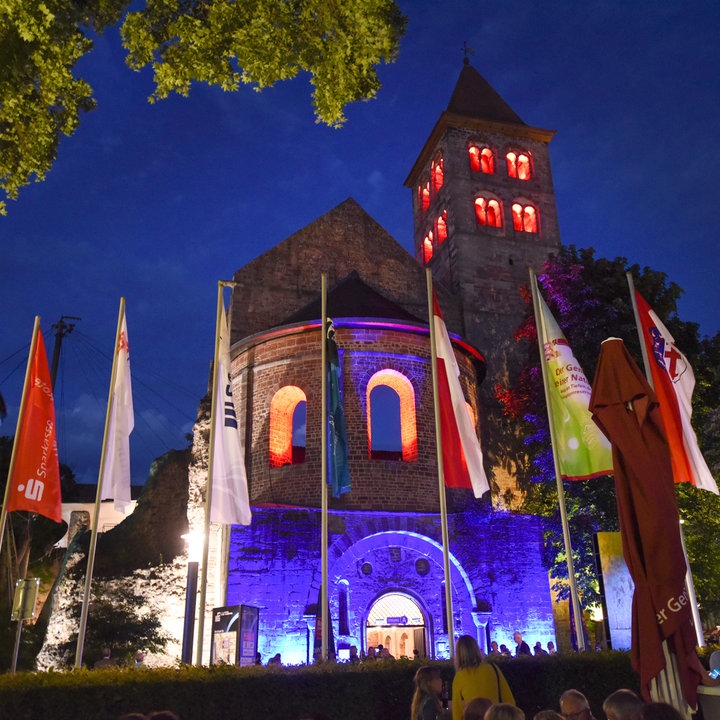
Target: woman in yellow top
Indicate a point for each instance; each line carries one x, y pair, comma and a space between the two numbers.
475, 678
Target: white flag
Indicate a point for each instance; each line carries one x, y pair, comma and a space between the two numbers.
230, 504
116, 468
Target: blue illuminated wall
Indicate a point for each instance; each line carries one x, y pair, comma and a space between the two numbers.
498, 582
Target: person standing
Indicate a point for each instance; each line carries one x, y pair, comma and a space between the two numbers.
475, 678
426, 703
522, 648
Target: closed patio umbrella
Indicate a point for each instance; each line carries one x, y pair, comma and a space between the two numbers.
625, 408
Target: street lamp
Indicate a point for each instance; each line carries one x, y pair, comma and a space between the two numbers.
194, 548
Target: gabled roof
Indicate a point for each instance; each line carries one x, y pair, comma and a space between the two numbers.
474, 97
352, 298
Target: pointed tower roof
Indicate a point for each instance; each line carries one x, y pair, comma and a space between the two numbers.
475, 105
475, 97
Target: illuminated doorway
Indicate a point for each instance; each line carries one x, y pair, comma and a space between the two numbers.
396, 622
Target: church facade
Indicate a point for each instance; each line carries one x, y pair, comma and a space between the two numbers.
484, 211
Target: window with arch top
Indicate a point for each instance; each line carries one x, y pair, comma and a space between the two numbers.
482, 159
391, 421
437, 172
288, 409
488, 212
427, 248
525, 218
519, 165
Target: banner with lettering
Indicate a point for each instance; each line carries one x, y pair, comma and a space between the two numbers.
674, 384
230, 504
35, 481
582, 450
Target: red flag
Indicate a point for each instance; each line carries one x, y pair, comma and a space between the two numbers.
674, 382
35, 481
462, 455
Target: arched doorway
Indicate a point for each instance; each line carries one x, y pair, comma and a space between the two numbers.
396, 622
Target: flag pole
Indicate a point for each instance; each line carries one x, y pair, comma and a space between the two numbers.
441, 472
324, 607
21, 414
689, 582
98, 493
574, 595
208, 489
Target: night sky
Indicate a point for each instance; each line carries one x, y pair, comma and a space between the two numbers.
157, 202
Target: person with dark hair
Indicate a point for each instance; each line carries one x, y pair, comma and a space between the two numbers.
660, 711
475, 678
538, 649
426, 698
163, 715
476, 708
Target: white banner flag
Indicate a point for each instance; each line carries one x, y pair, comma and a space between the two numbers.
116, 468
230, 504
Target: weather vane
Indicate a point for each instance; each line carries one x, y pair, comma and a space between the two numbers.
467, 50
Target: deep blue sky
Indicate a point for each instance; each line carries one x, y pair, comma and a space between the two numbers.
157, 202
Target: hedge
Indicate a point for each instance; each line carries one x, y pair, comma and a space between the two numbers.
380, 690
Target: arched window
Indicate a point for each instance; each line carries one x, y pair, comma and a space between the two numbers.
525, 218
518, 165
343, 616
482, 159
288, 409
487, 212
392, 430
441, 227
437, 172
427, 248
424, 196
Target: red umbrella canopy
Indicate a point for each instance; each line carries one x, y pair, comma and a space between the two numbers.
625, 408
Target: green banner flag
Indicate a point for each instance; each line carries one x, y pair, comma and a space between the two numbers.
582, 450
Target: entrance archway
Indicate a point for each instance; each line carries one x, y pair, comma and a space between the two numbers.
396, 622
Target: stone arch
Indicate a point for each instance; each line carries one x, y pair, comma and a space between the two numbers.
408, 424
379, 558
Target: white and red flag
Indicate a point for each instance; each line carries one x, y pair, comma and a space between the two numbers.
674, 382
115, 477
462, 454
35, 481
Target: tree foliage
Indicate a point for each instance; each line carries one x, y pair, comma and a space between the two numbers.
220, 42
590, 299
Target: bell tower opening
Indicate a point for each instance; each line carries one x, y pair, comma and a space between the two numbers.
396, 622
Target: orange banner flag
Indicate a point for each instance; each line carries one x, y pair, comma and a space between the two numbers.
35, 481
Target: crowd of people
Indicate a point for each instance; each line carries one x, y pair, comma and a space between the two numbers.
481, 692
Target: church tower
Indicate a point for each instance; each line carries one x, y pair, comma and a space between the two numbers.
484, 212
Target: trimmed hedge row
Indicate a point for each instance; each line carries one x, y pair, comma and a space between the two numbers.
370, 691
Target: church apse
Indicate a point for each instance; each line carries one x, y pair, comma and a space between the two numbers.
386, 579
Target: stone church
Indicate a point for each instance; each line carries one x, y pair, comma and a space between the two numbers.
484, 211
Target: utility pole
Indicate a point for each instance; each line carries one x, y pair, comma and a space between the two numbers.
61, 329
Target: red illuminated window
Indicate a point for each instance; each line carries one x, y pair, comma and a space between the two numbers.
427, 248
437, 172
518, 165
392, 430
487, 212
441, 227
424, 196
482, 159
525, 218
287, 426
